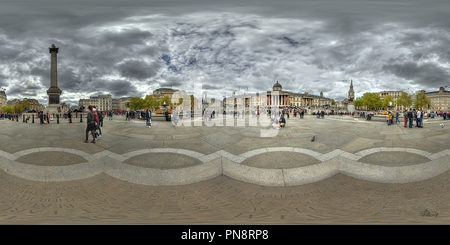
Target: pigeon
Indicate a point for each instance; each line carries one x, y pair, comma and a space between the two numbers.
442, 125
313, 138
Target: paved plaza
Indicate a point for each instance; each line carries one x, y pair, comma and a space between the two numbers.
354, 172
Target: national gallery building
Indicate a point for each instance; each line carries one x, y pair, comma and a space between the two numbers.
278, 97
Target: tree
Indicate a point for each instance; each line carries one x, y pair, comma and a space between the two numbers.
136, 103
150, 102
18, 108
422, 101
357, 102
385, 102
8, 109
404, 100
371, 100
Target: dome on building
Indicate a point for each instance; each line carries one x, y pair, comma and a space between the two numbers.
277, 87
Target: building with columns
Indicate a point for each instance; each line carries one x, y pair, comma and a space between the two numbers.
161, 92
287, 98
101, 102
394, 94
278, 97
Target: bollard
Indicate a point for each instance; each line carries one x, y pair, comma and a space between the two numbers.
32, 119
70, 118
81, 117
23, 118
17, 118
57, 118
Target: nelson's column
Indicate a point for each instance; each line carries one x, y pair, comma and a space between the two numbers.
53, 92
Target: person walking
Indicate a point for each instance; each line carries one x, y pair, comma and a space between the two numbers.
99, 115
90, 127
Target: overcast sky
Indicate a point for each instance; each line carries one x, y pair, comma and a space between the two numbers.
130, 48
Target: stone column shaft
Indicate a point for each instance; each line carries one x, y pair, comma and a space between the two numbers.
53, 70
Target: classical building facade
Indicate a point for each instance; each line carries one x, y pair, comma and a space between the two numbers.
440, 100
394, 94
102, 102
278, 97
115, 104
161, 92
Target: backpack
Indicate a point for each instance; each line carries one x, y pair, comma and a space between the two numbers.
410, 114
90, 118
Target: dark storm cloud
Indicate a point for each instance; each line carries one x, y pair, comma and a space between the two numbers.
429, 75
126, 47
117, 88
138, 69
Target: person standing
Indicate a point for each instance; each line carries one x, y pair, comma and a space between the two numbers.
410, 117
41, 117
90, 127
100, 123
418, 118
148, 118
396, 117
282, 121
69, 115
405, 117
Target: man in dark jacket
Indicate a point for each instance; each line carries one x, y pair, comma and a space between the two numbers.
410, 117
148, 118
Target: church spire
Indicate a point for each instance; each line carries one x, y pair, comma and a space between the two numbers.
351, 92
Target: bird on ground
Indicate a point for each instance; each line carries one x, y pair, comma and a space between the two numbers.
442, 125
313, 138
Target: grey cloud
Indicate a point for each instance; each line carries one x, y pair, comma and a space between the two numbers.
427, 74
138, 69
117, 88
125, 37
253, 44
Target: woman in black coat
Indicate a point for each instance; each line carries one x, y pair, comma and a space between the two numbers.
91, 127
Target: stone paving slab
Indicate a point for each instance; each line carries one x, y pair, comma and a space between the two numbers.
322, 182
